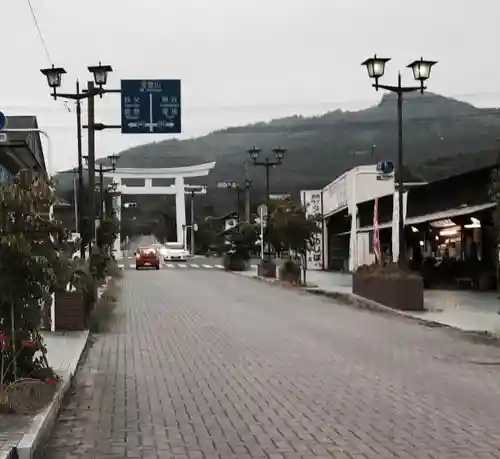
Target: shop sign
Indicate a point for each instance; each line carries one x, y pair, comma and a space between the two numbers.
335, 195
311, 200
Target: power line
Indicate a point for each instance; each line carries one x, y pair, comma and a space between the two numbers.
40, 34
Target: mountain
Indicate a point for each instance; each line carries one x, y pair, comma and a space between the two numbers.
442, 137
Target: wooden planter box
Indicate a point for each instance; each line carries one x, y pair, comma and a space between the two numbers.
267, 269
403, 293
234, 263
71, 313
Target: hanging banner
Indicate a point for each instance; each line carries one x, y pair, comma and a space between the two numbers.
311, 201
376, 235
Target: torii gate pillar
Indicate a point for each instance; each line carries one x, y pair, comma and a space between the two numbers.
179, 174
180, 208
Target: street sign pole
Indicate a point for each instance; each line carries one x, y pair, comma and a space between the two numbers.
262, 211
262, 236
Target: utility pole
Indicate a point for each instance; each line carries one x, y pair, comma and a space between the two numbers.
81, 187
192, 190
91, 161
248, 216
192, 222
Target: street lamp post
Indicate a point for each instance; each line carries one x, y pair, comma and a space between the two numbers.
193, 190
54, 78
421, 72
113, 159
112, 191
279, 153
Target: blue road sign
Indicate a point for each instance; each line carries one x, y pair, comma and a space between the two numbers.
3, 120
151, 106
385, 167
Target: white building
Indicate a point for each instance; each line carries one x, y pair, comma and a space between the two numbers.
346, 244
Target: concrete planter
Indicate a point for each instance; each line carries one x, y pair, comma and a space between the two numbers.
71, 313
405, 293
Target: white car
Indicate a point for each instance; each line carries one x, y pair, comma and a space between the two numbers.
174, 251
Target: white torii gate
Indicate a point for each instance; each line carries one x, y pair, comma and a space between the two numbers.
178, 188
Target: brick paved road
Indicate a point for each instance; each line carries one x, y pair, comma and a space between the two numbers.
205, 364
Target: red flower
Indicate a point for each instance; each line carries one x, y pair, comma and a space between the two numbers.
28, 343
4, 341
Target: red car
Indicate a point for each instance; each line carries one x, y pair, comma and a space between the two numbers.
147, 257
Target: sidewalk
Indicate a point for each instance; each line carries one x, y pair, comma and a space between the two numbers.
64, 350
469, 311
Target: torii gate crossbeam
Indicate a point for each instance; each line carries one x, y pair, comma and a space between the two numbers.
179, 174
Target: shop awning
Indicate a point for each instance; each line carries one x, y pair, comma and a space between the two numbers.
449, 213
441, 215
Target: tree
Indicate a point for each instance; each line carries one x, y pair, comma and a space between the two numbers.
207, 235
241, 240
100, 258
290, 229
34, 259
107, 232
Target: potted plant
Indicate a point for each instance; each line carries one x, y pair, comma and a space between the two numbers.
290, 272
74, 302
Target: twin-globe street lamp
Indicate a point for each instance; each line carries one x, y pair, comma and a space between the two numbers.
54, 79
113, 160
421, 72
279, 153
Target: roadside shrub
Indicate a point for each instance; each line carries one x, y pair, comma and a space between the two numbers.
392, 270
289, 271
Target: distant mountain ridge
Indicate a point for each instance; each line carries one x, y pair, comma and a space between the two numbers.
320, 148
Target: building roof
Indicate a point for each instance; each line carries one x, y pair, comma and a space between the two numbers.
22, 150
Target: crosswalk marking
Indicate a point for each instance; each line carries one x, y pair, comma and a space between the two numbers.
181, 265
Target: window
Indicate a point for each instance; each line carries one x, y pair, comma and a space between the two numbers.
370, 242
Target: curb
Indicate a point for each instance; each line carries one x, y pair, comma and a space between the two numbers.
43, 423
356, 301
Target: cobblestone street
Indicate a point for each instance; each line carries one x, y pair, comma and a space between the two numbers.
205, 364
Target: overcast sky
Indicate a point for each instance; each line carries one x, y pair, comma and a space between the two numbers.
240, 61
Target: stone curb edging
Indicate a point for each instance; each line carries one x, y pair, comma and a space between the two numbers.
356, 301
43, 423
